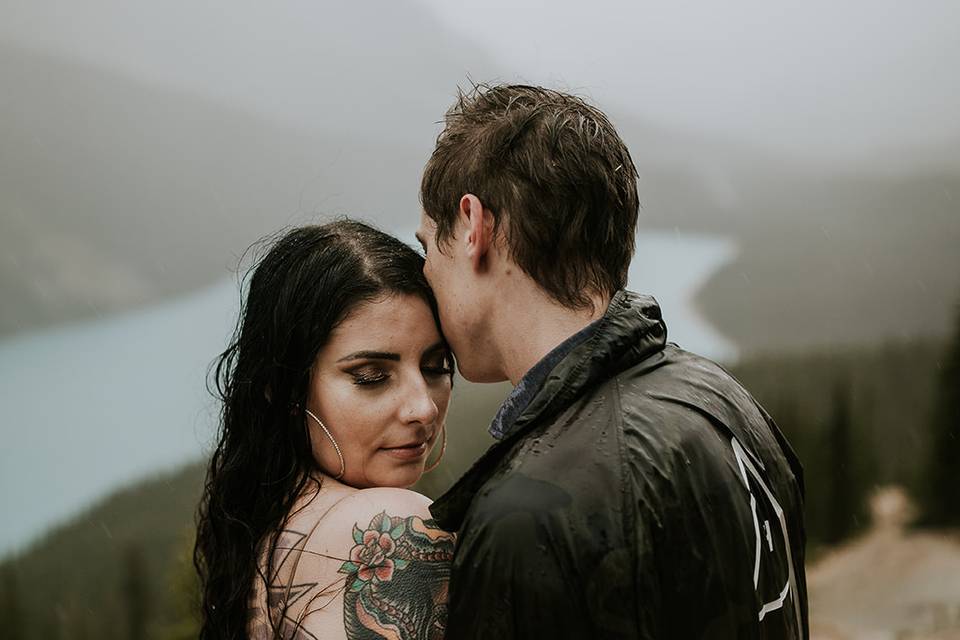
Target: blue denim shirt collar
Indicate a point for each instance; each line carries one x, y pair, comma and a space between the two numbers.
531, 382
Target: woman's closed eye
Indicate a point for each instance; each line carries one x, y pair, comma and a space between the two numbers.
368, 375
439, 365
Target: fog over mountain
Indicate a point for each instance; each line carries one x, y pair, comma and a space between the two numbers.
834, 83
143, 147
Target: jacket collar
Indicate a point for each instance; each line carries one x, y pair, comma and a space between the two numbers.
631, 330
531, 383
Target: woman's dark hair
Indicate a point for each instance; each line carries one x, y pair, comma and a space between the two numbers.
305, 285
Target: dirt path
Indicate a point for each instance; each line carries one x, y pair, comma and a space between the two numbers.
889, 584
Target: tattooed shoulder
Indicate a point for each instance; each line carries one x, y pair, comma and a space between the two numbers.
358, 572
396, 579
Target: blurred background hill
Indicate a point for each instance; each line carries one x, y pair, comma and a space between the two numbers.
157, 192
800, 181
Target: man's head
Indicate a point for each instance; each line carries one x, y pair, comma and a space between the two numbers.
529, 181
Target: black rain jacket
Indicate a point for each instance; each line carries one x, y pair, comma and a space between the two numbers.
642, 493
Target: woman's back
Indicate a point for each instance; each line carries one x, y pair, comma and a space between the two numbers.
355, 563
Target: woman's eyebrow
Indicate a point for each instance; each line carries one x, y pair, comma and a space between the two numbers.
370, 355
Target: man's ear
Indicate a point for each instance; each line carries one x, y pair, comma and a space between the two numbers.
478, 223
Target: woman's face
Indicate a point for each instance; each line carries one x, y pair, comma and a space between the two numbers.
381, 386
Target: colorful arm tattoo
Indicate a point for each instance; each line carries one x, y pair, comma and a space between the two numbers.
397, 576
395, 586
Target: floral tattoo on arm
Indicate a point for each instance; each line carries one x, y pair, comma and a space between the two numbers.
396, 580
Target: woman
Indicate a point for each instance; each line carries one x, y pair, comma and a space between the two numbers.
335, 390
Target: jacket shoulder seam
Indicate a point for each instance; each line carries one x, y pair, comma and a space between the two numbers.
628, 522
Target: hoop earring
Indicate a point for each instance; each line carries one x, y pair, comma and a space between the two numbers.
443, 447
332, 441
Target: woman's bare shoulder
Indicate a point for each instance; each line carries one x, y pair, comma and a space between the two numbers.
322, 522
362, 558
366, 503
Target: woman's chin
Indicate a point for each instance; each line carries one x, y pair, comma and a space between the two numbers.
401, 478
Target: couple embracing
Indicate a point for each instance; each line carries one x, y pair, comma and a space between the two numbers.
635, 490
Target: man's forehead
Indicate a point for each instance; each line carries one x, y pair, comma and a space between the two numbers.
426, 230
426, 223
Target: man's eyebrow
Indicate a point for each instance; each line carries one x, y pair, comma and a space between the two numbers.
370, 355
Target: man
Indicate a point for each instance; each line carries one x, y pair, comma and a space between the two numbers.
636, 490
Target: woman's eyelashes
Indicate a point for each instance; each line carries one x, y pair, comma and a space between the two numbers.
368, 376
441, 365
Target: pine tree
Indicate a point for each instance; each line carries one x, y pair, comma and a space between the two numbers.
185, 585
12, 613
843, 507
942, 499
134, 594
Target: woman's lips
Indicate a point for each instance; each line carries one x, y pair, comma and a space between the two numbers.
409, 452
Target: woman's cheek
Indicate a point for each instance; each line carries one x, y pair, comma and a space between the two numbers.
441, 398
366, 416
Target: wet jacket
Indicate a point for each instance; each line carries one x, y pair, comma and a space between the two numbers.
642, 493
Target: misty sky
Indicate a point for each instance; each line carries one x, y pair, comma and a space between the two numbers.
813, 78
821, 80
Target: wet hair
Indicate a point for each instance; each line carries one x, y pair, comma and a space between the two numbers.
554, 173
300, 290
556, 176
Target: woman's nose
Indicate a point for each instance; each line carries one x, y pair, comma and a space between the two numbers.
419, 405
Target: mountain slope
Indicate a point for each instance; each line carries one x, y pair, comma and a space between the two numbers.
118, 193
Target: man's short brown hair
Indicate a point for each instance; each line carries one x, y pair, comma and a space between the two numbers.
556, 176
